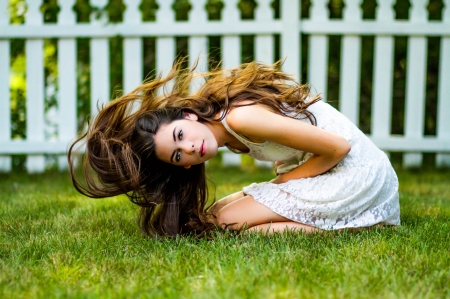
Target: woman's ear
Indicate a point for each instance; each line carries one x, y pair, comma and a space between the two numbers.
190, 116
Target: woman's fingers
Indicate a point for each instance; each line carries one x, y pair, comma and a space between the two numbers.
276, 164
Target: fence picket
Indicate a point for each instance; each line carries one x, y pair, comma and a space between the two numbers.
132, 14
198, 45
198, 49
350, 78
165, 46
100, 93
264, 42
231, 49
415, 84
317, 64
382, 86
382, 75
165, 14
132, 47
132, 65
66, 15
443, 119
231, 58
264, 48
5, 109
34, 50
231, 44
165, 55
318, 52
385, 11
67, 81
290, 37
350, 69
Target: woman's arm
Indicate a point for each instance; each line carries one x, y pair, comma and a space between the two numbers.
257, 122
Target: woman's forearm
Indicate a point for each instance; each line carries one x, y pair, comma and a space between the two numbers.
314, 166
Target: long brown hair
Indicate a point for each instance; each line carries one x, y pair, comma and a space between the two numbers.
120, 150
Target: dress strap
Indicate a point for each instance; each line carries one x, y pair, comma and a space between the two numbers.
239, 137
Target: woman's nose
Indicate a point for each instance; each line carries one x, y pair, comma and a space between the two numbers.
188, 147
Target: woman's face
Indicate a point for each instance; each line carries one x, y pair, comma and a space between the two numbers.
185, 142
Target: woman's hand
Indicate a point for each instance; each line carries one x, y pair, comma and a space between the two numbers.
276, 165
279, 179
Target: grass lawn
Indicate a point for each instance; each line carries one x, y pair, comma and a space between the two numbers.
55, 243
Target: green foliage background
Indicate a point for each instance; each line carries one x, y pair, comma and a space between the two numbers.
115, 9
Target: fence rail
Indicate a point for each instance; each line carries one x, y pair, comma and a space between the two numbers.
318, 28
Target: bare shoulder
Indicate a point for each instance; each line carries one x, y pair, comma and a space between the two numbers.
259, 123
240, 118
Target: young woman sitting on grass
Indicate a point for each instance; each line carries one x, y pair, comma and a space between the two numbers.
330, 176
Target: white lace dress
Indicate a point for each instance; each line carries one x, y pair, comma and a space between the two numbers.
362, 190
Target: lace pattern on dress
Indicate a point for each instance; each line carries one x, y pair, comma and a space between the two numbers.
362, 190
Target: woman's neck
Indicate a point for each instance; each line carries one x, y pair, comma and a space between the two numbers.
220, 133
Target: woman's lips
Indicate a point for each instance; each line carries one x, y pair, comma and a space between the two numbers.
202, 149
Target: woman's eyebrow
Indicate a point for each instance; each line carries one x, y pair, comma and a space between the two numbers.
173, 133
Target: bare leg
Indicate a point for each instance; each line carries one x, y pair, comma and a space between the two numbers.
280, 227
246, 212
225, 201
236, 213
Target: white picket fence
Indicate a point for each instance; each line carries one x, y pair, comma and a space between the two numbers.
289, 26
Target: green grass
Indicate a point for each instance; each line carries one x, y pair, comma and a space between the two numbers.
55, 243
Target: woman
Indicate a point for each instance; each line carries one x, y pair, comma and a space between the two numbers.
329, 174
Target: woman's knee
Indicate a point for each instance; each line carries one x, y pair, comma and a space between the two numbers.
218, 205
226, 219
245, 212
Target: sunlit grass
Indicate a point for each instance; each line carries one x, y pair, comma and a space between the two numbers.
56, 243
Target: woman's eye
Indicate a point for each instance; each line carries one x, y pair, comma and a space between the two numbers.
180, 134
177, 156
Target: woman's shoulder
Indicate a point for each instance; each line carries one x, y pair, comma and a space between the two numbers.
241, 116
252, 121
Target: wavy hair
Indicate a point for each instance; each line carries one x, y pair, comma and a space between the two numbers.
120, 149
